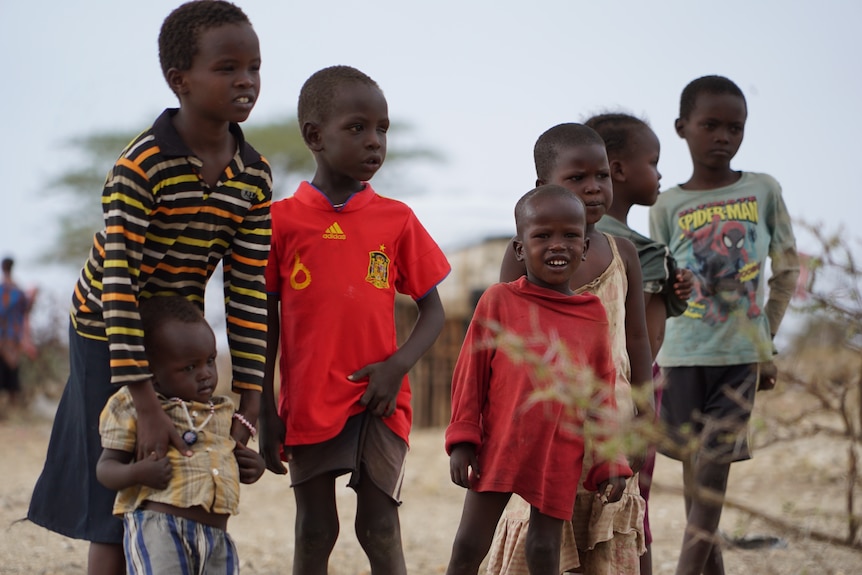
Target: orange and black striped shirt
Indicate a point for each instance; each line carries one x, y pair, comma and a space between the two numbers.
165, 232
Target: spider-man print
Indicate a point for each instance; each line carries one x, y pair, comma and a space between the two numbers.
723, 271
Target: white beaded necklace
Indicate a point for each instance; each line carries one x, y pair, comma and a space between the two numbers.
191, 435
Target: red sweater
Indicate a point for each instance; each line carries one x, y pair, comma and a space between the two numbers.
528, 445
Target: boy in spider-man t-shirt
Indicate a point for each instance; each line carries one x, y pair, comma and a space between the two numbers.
339, 253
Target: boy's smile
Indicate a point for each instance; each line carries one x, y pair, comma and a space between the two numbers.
584, 170
552, 240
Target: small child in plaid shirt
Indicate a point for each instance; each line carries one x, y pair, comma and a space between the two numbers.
175, 508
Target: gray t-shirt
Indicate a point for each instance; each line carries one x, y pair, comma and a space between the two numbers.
724, 236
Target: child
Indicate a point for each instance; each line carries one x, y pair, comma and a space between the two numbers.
721, 224
186, 194
175, 508
609, 537
15, 306
512, 443
339, 253
633, 153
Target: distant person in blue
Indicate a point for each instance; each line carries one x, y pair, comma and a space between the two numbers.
15, 305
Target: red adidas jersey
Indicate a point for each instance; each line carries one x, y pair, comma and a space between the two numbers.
336, 272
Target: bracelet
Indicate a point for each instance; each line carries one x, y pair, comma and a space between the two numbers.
246, 423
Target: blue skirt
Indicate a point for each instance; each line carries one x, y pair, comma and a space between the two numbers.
67, 498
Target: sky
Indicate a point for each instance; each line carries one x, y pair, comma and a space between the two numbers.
477, 81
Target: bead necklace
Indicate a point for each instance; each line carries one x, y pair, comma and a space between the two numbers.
190, 436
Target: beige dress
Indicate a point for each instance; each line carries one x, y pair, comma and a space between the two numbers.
610, 538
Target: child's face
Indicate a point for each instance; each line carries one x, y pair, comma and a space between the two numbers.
640, 167
584, 170
714, 129
552, 242
353, 138
183, 361
223, 82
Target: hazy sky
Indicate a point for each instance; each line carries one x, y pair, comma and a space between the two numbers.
478, 81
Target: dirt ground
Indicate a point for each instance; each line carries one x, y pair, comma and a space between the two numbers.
802, 482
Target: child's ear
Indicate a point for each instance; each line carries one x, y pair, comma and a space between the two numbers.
679, 125
311, 136
518, 245
618, 171
177, 81
540, 182
586, 249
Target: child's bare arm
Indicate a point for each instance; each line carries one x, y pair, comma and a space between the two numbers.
272, 430
385, 377
637, 337
116, 470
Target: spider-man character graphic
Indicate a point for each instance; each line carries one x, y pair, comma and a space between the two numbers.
723, 271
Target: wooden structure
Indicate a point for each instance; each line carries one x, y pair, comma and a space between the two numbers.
474, 268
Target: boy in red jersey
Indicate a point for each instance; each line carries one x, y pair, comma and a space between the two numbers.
339, 253
185, 195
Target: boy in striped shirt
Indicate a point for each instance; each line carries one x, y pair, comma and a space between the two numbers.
185, 195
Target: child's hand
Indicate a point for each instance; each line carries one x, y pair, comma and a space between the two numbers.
768, 375
251, 464
271, 434
461, 461
684, 283
612, 490
154, 471
384, 383
156, 432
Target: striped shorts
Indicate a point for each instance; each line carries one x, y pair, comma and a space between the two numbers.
157, 543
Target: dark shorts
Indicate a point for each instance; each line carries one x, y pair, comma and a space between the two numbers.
67, 498
706, 409
365, 444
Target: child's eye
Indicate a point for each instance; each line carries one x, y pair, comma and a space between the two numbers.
355, 129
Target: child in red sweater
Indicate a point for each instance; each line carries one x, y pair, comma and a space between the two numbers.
512, 430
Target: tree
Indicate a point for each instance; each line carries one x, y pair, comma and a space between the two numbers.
279, 142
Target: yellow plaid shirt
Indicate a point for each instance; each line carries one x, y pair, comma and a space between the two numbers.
209, 478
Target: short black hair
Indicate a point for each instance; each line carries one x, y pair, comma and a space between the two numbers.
706, 85
158, 310
7, 264
546, 190
616, 130
318, 92
179, 37
560, 137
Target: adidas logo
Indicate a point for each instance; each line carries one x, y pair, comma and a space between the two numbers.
334, 232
